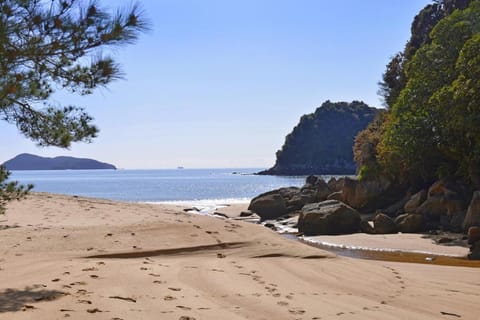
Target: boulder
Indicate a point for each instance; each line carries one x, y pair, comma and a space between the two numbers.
432, 208
383, 224
316, 186
366, 227
328, 217
473, 235
415, 201
298, 200
472, 218
410, 223
446, 203
474, 251
268, 206
336, 196
246, 214
336, 184
396, 208
455, 224
361, 194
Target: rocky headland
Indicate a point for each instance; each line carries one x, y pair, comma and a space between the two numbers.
322, 141
27, 161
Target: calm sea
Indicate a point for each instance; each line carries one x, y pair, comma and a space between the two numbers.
168, 186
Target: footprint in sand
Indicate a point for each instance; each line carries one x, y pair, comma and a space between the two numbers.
184, 308
154, 275
95, 310
296, 311
84, 301
90, 269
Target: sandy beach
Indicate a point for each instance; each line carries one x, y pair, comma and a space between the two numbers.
80, 258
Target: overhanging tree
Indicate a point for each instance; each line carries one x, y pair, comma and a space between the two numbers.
56, 44
432, 130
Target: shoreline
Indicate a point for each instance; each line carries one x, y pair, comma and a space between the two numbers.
92, 258
412, 243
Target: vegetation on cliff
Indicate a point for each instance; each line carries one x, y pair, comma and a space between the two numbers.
322, 141
431, 130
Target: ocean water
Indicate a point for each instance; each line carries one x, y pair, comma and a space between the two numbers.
182, 186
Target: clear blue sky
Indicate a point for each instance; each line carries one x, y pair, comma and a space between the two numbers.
219, 83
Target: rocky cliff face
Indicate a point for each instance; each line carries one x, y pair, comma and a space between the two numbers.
322, 141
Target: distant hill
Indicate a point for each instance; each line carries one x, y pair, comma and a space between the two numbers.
27, 161
322, 141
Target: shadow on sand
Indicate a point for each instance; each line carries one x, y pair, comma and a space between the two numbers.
12, 300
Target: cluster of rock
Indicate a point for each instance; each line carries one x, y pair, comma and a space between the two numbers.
378, 206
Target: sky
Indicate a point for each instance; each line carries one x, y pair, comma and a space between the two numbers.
220, 83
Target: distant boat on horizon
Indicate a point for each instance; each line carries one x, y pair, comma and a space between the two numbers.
180, 168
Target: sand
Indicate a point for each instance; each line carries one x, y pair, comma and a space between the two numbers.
82, 258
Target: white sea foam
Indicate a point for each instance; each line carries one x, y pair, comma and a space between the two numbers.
219, 203
351, 247
205, 206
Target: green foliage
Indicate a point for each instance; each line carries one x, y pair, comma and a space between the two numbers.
322, 141
46, 45
394, 79
10, 190
432, 128
49, 45
365, 147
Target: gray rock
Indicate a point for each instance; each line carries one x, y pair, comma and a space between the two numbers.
415, 201
268, 206
432, 208
318, 186
298, 200
328, 217
246, 214
410, 223
396, 208
474, 251
383, 224
446, 203
472, 218
473, 235
336, 196
362, 194
456, 222
366, 227
336, 185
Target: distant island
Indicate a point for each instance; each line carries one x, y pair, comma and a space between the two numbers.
322, 141
27, 161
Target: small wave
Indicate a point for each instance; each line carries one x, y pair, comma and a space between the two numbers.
218, 203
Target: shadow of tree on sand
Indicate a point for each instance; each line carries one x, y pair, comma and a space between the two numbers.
15, 300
